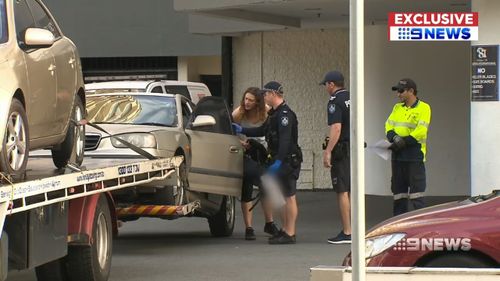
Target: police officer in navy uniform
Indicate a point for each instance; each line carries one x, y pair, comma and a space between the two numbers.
336, 155
281, 132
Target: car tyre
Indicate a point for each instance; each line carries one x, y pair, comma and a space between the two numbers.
93, 263
460, 260
173, 195
222, 223
73, 146
15, 142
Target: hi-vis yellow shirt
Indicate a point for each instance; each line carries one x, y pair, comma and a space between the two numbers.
411, 123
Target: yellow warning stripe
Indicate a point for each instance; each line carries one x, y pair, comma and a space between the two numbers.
141, 210
155, 210
147, 210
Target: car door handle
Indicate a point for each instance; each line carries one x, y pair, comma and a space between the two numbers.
234, 149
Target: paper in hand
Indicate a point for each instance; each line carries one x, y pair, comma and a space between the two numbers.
381, 148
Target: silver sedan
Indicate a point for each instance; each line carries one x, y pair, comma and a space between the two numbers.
163, 126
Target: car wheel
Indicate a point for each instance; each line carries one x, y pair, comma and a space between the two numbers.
461, 260
15, 144
93, 263
222, 223
173, 195
72, 148
178, 192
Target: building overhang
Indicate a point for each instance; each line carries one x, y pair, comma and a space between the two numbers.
233, 17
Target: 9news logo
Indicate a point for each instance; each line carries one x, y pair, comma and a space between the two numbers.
433, 244
433, 27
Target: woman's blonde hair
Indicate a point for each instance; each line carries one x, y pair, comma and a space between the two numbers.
260, 105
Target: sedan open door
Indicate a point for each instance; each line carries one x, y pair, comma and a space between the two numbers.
217, 154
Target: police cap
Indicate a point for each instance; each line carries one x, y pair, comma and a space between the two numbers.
332, 76
272, 86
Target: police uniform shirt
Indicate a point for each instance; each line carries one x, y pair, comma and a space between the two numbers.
338, 112
283, 121
280, 130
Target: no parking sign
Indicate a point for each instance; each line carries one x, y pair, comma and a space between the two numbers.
485, 73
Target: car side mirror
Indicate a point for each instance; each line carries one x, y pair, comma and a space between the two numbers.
203, 120
38, 38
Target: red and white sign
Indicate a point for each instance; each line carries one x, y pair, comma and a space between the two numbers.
433, 26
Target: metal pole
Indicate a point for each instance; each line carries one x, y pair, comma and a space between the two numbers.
357, 80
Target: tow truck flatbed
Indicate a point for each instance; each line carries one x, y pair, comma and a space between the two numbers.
41, 166
46, 219
97, 176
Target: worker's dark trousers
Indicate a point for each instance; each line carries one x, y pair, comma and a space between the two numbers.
407, 185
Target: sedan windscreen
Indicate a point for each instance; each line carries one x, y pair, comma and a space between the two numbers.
131, 109
3, 22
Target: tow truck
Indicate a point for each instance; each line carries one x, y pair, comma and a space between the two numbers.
62, 222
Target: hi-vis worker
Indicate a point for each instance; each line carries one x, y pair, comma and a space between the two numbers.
406, 128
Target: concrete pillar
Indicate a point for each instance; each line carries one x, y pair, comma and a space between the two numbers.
182, 68
485, 127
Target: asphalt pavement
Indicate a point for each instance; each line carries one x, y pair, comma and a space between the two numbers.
181, 250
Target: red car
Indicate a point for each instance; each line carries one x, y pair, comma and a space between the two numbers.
457, 234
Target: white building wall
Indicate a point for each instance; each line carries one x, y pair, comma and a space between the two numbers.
442, 73
485, 130
299, 59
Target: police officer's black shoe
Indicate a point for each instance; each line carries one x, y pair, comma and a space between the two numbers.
272, 229
284, 238
250, 234
278, 234
341, 238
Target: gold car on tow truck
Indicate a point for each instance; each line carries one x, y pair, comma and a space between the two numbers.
41, 88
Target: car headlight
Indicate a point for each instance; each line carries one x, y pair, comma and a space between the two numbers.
142, 140
376, 245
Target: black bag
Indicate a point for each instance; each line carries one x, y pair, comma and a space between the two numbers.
257, 152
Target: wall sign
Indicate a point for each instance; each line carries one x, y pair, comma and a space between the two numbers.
485, 73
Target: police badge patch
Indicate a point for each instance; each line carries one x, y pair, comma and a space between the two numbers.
284, 121
331, 108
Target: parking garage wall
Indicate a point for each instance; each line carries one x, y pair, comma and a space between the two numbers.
299, 59
130, 28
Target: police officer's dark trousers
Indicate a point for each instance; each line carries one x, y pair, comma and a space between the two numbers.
407, 185
288, 176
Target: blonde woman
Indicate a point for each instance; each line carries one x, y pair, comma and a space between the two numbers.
252, 112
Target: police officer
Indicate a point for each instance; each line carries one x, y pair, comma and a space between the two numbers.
280, 130
336, 155
406, 128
